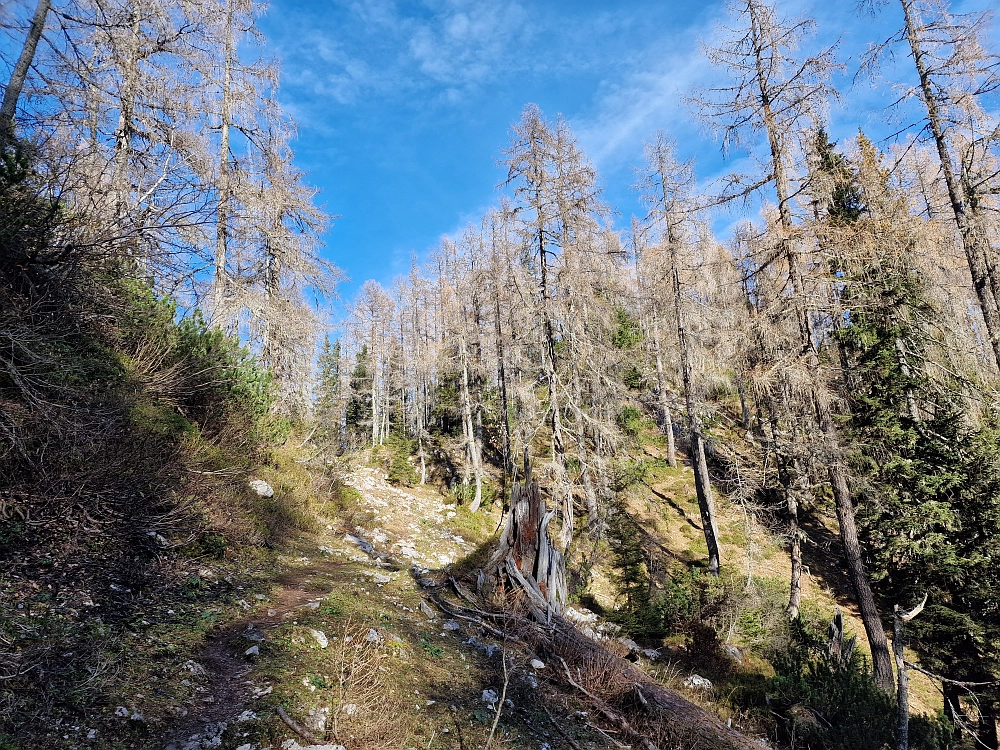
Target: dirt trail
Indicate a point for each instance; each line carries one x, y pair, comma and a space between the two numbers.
228, 670
410, 527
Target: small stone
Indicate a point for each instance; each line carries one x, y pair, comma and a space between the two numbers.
194, 668
490, 696
316, 719
451, 625
350, 709
373, 636
245, 747
537, 664
380, 578
252, 651
631, 645
261, 487
91, 734
259, 597
253, 634
320, 637
137, 717
697, 682
121, 712
428, 612
651, 653
247, 715
733, 652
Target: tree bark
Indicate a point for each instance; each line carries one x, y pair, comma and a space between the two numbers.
702, 479
525, 561
837, 473
220, 316
17, 77
470, 429
666, 417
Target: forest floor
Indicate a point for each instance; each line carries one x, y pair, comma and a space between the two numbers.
334, 639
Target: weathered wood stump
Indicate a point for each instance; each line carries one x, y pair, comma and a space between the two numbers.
525, 563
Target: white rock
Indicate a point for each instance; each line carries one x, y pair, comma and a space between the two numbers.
490, 696
316, 719
121, 712
320, 637
428, 612
380, 578
451, 625
194, 668
247, 715
373, 636
261, 487
631, 645
252, 651
91, 734
350, 709
245, 747
697, 682
537, 664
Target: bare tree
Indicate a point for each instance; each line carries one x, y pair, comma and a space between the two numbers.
669, 186
778, 96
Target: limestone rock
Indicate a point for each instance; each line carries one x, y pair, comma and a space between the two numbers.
261, 487
697, 682
320, 637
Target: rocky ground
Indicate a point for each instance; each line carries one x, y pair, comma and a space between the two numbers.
347, 649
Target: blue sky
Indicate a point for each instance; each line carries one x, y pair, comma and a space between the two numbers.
403, 107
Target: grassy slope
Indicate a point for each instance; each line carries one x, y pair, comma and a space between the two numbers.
755, 564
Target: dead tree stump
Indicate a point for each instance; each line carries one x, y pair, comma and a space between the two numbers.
525, 563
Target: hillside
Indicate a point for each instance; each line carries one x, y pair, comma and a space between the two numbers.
340, 627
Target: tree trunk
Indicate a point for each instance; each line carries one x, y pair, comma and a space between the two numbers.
470, 429
881, 660
902, 685
988, 723
558, 448
525, 560
702, 480
953, 709
508, 458
16, 84
220, 315
666, 417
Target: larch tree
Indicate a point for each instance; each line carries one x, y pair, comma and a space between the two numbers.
668, 191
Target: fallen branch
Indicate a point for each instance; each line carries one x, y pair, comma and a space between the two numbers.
607, 711
295, 727
503, 697
570, 740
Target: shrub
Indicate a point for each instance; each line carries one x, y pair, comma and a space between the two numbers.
396, 452
630, 420
834, 704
